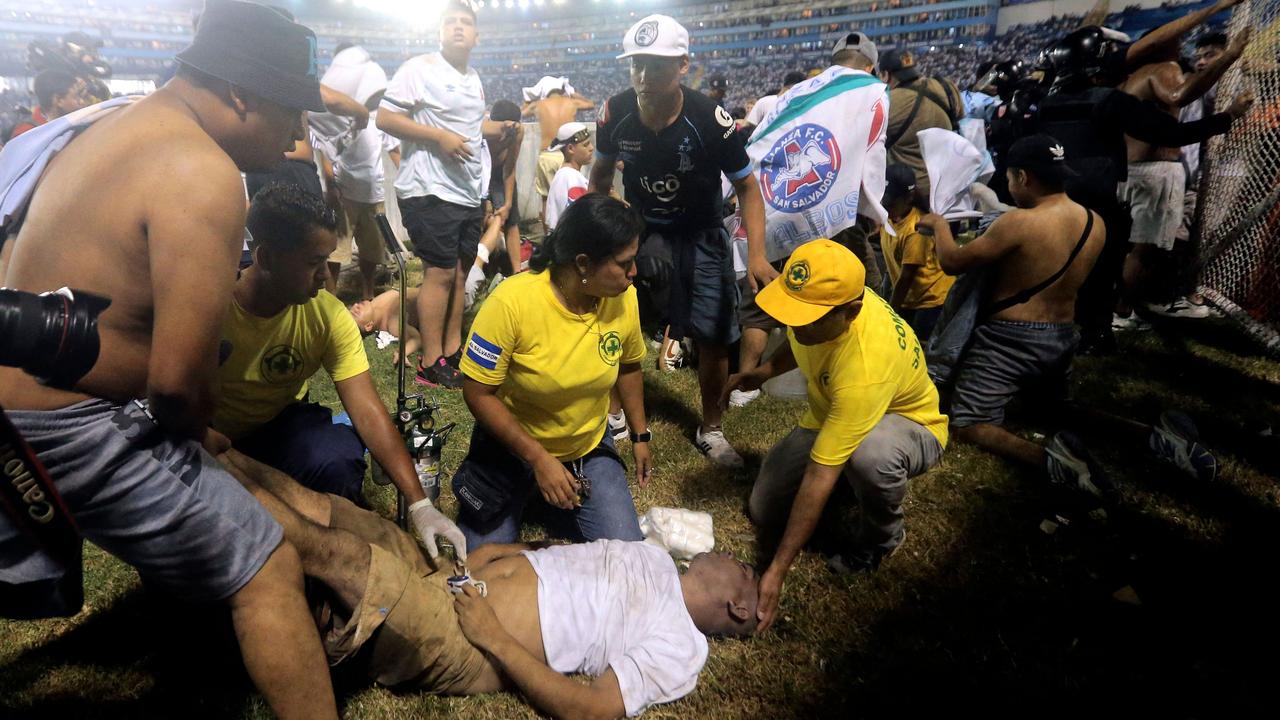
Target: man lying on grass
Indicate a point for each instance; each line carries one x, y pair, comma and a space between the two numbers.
617, 611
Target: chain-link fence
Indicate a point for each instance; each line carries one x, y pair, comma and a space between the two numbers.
1239, 218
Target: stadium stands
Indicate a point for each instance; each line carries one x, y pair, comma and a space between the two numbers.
754, 43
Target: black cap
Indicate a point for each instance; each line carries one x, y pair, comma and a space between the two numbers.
1041, 154
718, 82
899, 63
256, 48
793, 77
899, 180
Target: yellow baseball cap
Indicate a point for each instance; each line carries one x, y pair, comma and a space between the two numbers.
820, 275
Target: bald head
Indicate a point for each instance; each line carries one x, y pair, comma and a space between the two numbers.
721, 594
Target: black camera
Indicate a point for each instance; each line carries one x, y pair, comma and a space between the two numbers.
76, 53
53, 336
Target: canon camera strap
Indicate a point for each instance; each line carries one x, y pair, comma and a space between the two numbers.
31, 501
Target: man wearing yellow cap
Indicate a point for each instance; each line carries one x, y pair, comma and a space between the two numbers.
873, 412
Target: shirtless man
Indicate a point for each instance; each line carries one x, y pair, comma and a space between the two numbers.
160, 180
617, 611
1157, 179
1022, 342
551, 112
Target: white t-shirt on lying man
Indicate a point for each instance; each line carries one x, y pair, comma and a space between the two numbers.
617, 604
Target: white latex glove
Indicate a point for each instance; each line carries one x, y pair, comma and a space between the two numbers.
431, 523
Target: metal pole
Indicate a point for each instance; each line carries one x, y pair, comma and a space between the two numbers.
403, 417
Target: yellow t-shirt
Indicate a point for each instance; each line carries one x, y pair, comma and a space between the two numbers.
273, 358
554, 369
873, 369
931, 285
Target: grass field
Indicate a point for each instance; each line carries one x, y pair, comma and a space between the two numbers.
1168, 608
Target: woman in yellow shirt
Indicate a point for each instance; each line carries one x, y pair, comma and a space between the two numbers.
544, 351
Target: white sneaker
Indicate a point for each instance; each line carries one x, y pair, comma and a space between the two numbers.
618, 426
1182, 308
672, 356
717, 449
738, 398
1133, 323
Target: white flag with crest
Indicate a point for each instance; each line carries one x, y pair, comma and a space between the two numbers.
819, 158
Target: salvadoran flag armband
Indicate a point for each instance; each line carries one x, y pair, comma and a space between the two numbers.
483, 353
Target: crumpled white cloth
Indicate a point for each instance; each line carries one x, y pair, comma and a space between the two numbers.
543, 87
682, 533
953, 164
384, 339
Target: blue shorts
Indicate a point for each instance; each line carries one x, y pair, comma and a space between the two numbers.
703, 299
159, 503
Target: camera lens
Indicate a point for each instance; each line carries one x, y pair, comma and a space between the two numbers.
52, 336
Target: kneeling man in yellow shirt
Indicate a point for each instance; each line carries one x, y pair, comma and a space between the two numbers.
873, 412
282, 327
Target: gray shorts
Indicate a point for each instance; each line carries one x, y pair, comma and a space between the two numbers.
703, 300
1006, 358
1155, 193
160, 504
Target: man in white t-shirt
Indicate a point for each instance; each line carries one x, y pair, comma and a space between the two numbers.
573, 140
618, 611
359, 173
435, 105
766, 104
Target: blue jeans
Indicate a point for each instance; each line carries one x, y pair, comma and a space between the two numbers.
304, 443
493, 487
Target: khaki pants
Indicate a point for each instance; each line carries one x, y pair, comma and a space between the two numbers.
895, 450
549, 163
358, 223
405, 616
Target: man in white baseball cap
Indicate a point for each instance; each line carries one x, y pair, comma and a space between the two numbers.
675, 143
657, 35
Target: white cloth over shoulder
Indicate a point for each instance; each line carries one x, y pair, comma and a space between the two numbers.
541, 89
683, 533
354, 74
953, 164
24, 159
819, 158
617, 604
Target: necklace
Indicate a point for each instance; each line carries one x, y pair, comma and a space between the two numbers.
595, 303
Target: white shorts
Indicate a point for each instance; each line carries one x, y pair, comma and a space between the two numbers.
1155, 193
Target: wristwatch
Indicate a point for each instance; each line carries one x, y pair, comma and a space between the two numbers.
641, 437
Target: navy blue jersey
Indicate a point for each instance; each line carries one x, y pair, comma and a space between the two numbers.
673, 176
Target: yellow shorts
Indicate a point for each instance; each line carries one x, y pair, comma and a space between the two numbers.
549, 162
404, 626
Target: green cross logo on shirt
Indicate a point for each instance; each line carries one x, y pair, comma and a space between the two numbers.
281, 364
610, 347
